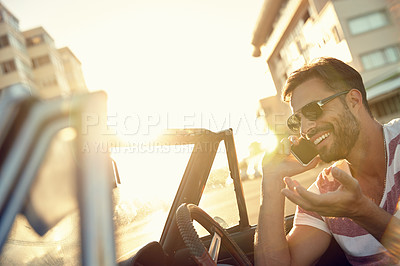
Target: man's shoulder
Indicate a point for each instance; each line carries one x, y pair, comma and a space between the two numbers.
393, 121
393, 126
392, 137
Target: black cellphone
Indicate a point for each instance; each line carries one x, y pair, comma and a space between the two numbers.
304, 152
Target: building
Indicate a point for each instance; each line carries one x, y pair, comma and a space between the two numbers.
32, 59
73, 70
15, 64
366, 36
48, 68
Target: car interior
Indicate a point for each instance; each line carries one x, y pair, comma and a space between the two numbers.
179, 243
179, 247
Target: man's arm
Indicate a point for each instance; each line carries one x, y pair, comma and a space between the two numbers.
382, 225
271, 246
304, 244
391, 238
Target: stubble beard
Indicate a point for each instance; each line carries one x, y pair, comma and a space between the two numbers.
346, 130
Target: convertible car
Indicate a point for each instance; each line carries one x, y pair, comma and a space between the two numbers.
73, 194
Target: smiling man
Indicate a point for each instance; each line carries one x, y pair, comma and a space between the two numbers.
356, 199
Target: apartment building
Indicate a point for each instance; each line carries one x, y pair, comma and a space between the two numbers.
72, 70
31, 58
15, 64
364, 34
48, 68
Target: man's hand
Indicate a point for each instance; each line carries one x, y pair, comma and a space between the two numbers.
346, 201
282, 163
349, 201
271, 245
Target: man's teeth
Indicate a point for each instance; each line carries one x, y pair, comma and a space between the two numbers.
318, 140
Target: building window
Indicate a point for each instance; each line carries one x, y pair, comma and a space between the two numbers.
4, 42
49, 81
34, 40
40, 61
386, 107
8, 66
21, 65
16, 43
338, 38
13, 22
9, 19
379, 58
368, 22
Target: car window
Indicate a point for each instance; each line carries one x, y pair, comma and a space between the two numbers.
52, 201
219, 199
150, 177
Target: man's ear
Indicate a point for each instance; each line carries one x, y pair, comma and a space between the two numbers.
354, 99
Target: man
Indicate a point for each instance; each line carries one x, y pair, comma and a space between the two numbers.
356, 199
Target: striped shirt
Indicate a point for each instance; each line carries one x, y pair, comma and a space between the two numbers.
360, 247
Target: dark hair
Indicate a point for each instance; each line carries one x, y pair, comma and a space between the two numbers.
336, 74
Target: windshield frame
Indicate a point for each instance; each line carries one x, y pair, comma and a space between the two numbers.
196, 174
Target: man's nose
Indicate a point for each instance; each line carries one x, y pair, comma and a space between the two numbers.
307, 127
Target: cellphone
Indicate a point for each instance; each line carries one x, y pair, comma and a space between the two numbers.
304, 152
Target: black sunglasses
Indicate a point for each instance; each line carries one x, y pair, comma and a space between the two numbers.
310, 111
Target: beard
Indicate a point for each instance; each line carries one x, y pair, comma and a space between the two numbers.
346, 130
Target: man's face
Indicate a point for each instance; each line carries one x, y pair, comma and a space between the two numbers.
336, 131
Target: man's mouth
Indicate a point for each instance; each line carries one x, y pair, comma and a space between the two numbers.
321, 138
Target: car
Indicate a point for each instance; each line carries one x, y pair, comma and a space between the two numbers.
73, 194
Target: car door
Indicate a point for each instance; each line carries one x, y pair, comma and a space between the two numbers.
26, 140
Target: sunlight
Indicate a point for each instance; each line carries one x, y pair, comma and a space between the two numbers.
150, 173
327, 45
163, 65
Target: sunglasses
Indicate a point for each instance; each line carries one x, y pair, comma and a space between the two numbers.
310, 111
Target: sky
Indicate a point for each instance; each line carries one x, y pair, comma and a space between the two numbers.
177, 63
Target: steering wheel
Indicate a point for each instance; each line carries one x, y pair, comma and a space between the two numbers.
184, 215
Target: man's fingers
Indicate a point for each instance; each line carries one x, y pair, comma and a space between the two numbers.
294, 140
344, 178
313, 198
293, 185
289, 182
284, 146
296, 199
308, 200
